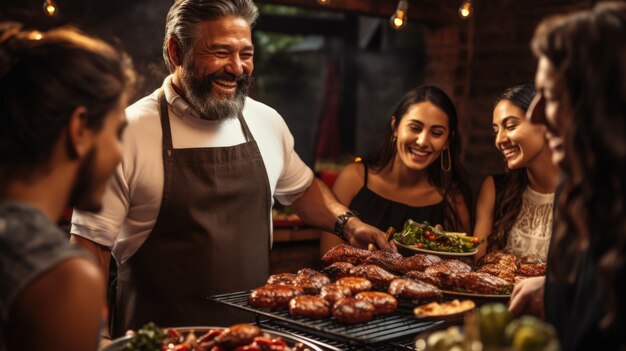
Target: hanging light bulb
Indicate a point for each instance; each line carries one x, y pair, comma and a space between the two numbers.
400, 18
466, 9
323, 2
49, 8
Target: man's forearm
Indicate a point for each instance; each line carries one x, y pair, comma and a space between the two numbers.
319, 206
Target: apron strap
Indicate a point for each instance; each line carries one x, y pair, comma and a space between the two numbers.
165, 126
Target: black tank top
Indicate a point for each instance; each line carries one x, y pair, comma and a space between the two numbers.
384, 213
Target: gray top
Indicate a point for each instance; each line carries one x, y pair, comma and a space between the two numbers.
30, 245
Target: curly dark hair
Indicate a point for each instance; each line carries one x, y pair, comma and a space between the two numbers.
588, 50
509, 199
44, 77
451, 183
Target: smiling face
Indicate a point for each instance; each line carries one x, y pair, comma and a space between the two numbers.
422, 134
549, 107
217, 73
519, 140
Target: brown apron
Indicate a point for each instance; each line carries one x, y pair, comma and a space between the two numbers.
211, 237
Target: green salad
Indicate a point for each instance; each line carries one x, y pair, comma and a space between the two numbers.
425, 236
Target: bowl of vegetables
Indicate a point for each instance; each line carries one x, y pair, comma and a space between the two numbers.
425, 238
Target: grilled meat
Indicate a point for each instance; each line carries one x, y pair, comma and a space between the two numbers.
345, 253
499, 257
483, 283
417, 262
378, 276
426, 278
309, 306
308, 286
446, 271
532, 269
238, 335
386, 259
355, 284
334, 292
281, 278
338, 270
531, 259
383, 302
273, 296
413, 289
350, 310
499, 270
318, 279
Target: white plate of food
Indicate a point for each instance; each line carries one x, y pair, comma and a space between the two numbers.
433, 252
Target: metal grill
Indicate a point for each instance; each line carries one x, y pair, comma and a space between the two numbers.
383, 328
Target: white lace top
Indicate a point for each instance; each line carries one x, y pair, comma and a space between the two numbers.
531, 232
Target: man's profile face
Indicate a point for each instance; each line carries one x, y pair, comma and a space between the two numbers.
216, 74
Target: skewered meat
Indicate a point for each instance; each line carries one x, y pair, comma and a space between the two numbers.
273, 296
426, 278
499, 270
413, 289
355, 284
446, 271
238, 335
309, 306
501, 257
281, 278
483, 283
531, 259
345, 253
338, 270
386, 259
383, 302
334, 292
417, 262
532, 270
378, 276
353, 311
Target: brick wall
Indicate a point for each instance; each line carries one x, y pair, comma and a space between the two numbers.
477, 59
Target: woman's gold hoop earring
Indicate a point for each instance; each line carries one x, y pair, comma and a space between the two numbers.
443, 167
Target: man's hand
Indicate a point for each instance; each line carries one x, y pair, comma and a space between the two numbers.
527, 297
360, 234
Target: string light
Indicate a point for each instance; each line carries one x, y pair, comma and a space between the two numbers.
466, 9
323, 2
49, 7
400, 18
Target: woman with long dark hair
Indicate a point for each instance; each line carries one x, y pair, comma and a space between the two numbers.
514, 209
416, 174
581, 101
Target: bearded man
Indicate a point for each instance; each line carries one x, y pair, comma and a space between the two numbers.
188, 214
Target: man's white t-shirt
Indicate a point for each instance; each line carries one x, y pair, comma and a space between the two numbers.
133, 197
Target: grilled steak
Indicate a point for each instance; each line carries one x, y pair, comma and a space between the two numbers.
499, 257
273, 296
338, 270
483, 283
281, 278
413, 289
532, 270
345, 253
383, 302
378, 276
417, 262
335, 292
499, 270
309, 306
353, 311
446, 270
421, 276
531, 259
355, 284
386, 259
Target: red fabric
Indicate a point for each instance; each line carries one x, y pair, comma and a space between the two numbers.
327, 143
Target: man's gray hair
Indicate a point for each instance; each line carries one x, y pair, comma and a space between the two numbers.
185, 15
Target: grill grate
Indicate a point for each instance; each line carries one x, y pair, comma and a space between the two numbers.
382, 328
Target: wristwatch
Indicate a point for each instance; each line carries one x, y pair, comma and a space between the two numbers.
342, 219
